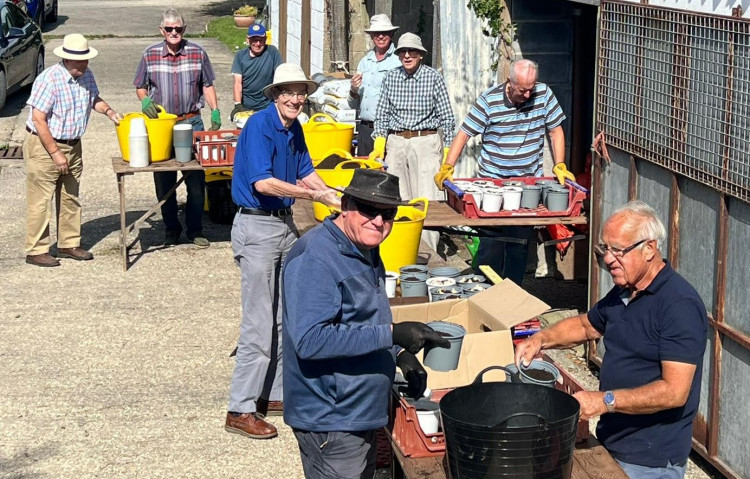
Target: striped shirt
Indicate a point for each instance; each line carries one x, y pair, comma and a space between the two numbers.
67, 101
175, 81
414, 102
512, 136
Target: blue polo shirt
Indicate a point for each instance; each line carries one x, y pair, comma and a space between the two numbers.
665, 322
267, 149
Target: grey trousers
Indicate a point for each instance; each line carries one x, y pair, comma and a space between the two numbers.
340, 455
260, 245
416, 161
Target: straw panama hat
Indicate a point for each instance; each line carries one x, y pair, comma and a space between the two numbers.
381, 23
288, 73
410, 41
75, 47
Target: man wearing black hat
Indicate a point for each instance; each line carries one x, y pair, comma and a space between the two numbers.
340, 345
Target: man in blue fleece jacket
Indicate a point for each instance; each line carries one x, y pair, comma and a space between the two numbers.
338, 336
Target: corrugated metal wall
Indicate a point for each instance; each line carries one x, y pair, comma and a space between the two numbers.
670, 92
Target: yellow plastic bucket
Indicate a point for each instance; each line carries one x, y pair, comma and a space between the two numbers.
215, 174
322, 136
402, 245
339, 177
159, 135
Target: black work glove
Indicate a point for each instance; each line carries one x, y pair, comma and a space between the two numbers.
237, 108
412, 336
414, 373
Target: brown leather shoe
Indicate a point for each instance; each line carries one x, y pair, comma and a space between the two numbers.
270, 408
78, 254
45, 260
250, 425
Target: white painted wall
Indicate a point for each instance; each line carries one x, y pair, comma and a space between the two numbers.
317, 39
294, 31
273, 19
716, 7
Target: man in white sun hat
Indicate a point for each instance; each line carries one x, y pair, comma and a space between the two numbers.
61, 101
366, 83
413, 106
271, 168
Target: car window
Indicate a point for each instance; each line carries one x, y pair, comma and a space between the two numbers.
15, 17
4, 21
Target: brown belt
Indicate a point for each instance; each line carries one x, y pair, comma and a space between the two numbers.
64, 142
414, 133
188, 115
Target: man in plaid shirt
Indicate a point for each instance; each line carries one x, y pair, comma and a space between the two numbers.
413, 105
178, 75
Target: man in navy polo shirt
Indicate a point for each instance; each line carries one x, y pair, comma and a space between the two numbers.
253, 68
271, 168
654, 327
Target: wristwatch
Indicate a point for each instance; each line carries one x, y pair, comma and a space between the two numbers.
609, 401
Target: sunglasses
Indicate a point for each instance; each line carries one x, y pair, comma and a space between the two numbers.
411, 51
176, 29
372, 212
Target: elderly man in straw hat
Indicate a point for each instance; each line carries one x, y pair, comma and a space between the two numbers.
271, 168
413, 105
366, 83
339, 335
61, 101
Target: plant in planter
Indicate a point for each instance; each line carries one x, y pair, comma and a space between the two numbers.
245, 16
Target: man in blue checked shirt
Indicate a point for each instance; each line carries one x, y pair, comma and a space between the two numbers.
512, 119
413, 106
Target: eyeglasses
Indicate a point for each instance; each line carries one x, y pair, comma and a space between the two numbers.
288, 95
603, 248
256, 39
372, 212
411, 51
176, 29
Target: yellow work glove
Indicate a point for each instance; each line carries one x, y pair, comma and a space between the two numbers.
444, 173
445, 153
378, 149
562, 173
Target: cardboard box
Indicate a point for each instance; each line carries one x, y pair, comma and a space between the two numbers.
487, 318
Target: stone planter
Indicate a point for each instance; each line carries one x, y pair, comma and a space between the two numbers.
242, 21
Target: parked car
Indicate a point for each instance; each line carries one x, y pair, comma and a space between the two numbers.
21, 49
42, 11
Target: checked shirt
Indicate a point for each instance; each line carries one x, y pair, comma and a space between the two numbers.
414, 102
175, 81
67, 101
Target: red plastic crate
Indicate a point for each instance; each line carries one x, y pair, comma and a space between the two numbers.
469, 208
215, 148
405, 431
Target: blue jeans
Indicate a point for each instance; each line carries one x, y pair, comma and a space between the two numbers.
195, 182
670, 471
507, 258
343, 455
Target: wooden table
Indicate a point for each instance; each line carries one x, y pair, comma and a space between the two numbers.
123, 169
590, 461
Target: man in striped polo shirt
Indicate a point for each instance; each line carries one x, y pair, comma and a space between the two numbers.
512, 119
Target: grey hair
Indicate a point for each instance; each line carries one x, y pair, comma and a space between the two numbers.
171, 15
523, 66
643, 220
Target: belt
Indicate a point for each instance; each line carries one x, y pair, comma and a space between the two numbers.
188, 115
414, 133
261, 212
64, 142
367, 123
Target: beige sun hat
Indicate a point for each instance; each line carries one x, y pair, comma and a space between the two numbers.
288, 73
410, 41
75, 47
381, 23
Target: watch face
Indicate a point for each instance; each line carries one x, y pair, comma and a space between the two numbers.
609, 398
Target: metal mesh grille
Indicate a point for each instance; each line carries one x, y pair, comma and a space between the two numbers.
674, 89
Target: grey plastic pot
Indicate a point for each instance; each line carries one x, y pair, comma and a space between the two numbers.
537, 365
444, 271
557, 200
412, 268
413, 284
530, 197
445, 359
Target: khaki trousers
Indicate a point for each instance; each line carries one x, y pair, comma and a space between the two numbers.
43, 182
416, 161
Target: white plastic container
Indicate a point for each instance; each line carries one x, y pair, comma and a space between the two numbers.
491, 200
139, 150
512, 197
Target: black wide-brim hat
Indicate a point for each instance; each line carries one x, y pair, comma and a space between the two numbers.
374, 186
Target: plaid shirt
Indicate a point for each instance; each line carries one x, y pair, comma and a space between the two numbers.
175, 81
66, 101
414, 102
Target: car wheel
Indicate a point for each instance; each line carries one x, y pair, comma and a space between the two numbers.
3, 89
39, 65
52, 17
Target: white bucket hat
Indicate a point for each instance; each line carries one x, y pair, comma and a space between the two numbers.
75, 47
288, 73
410, 41
381, 23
